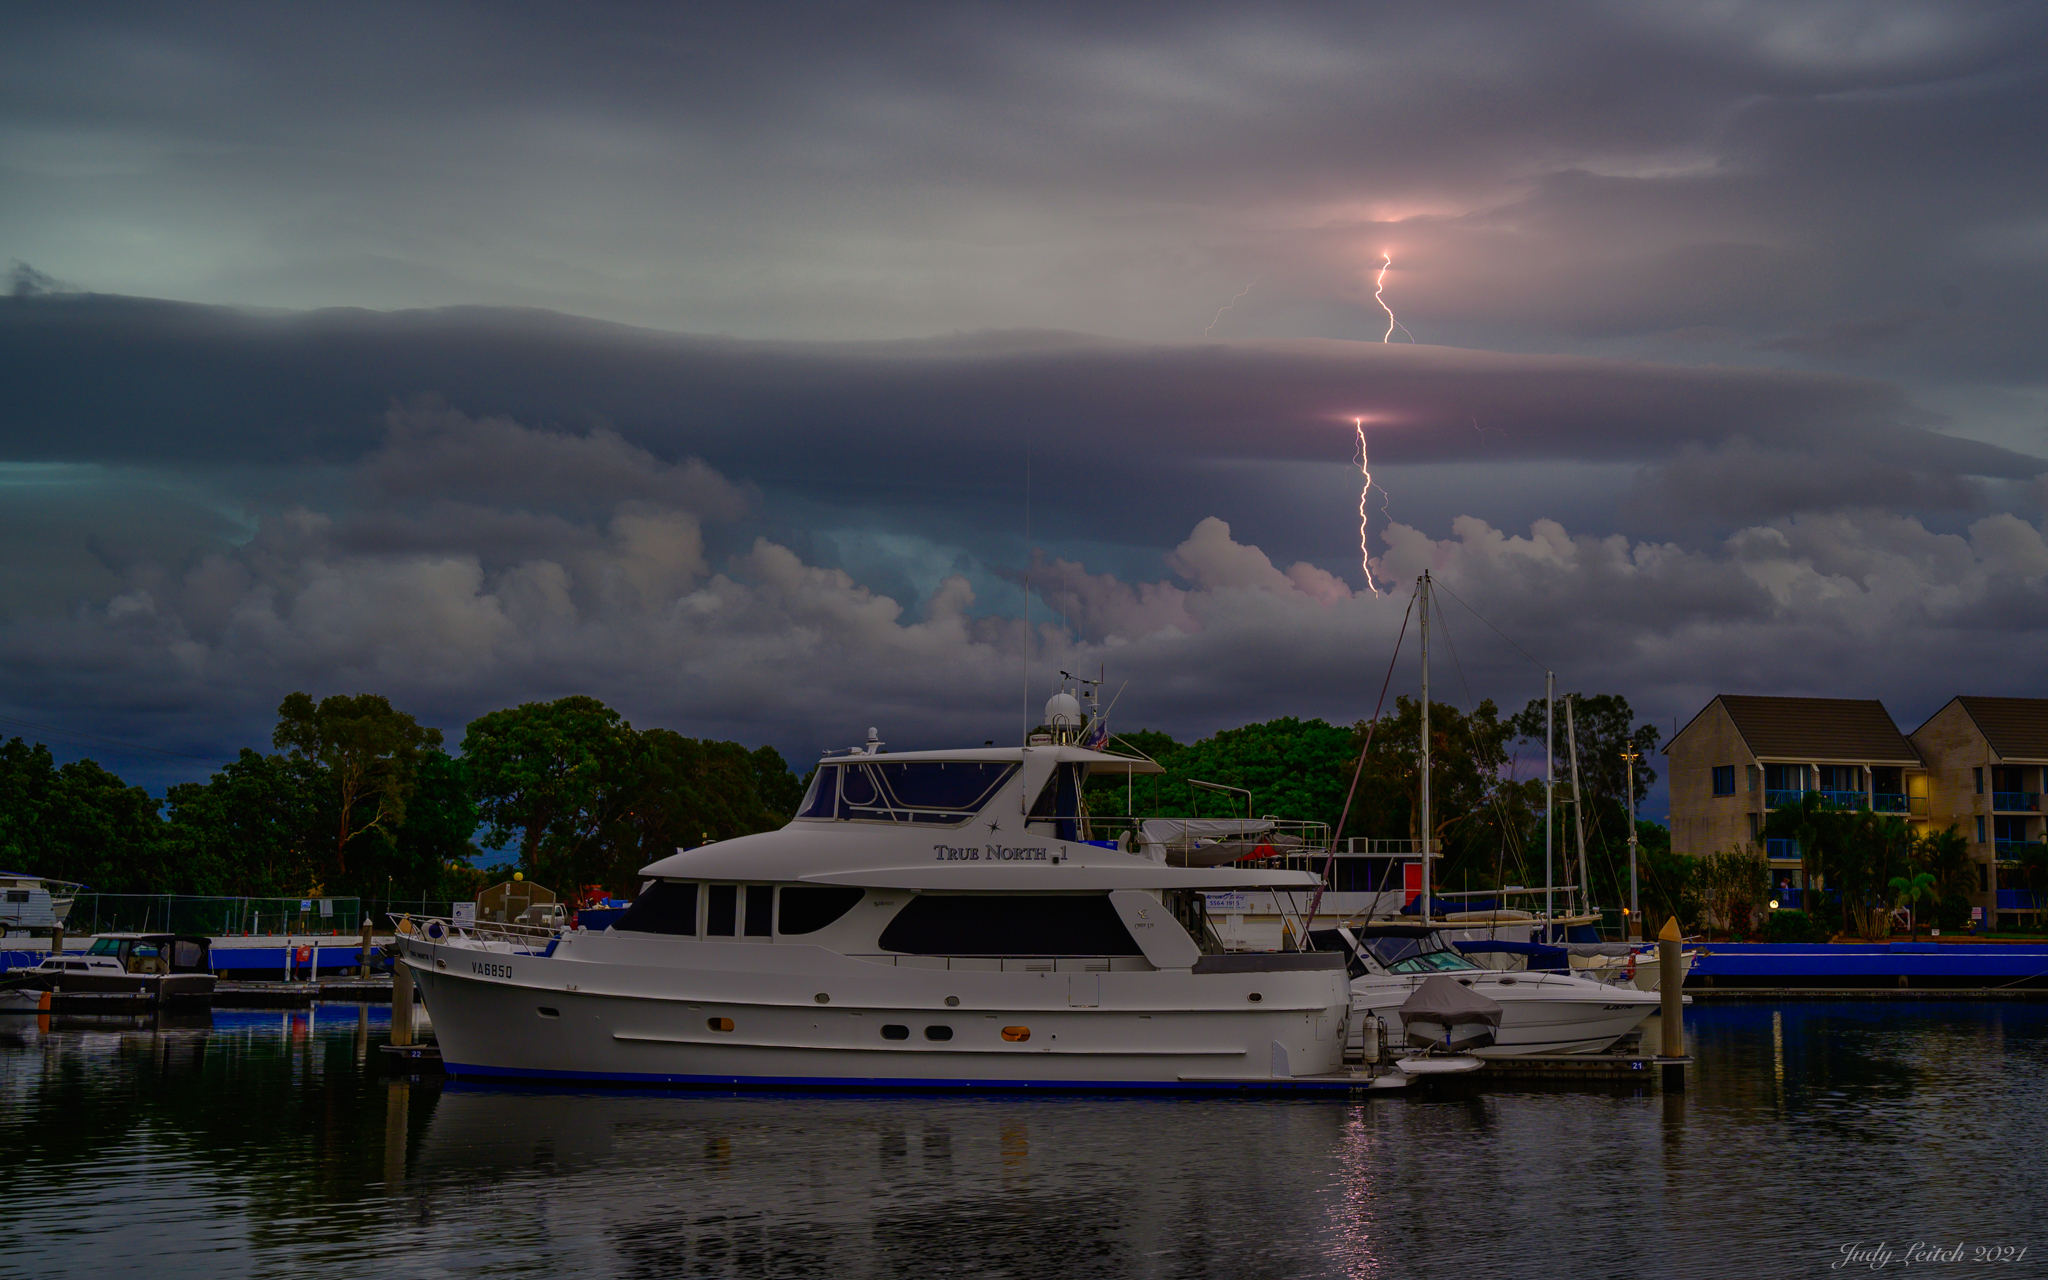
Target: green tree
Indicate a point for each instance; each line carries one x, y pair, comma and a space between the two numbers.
440, 822
250, 830
96, 829
676, 792
1908, 891
542, 773
368, 757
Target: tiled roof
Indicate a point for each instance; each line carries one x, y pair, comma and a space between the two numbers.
1821, 729
2016, 728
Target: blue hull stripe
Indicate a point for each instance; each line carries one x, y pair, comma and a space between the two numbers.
465, 1071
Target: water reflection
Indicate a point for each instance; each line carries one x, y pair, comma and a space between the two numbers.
272, 1142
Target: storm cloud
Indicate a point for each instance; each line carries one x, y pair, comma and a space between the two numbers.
704, 359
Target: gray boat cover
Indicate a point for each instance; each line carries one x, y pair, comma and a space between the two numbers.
1210, 842
1449, 1003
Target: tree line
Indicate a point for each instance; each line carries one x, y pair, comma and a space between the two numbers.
1486, 789
357, 798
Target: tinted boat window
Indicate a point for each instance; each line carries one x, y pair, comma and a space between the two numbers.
666, 907
809, 908
760, 910
721, 910
951, 786
822, 799
1008, 925
941, 792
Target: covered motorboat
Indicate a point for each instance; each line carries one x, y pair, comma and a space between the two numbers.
170, 967
1541, 1013
929, 919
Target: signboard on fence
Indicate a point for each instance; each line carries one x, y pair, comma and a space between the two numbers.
1976, 913
327, 906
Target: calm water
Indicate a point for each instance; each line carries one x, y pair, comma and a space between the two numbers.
264, 1145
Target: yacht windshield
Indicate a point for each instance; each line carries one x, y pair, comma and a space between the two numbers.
105, 947
939, 792
1415, 955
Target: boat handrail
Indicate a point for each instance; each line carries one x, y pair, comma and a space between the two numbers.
1298, 836
416, 926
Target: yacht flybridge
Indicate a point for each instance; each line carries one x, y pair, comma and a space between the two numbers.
929, 919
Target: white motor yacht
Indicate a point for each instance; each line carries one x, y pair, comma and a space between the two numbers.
929, 919
1541, 1013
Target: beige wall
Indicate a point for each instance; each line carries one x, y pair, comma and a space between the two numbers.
1702, 822
1952, 746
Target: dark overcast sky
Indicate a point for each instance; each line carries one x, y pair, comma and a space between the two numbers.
694, 358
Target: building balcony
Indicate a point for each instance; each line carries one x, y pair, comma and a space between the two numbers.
1828, 799
2012, 850
2022, 900
1893, 802
2015, 801
1781, 849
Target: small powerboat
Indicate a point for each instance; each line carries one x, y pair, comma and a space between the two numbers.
172, 967
1541, 1013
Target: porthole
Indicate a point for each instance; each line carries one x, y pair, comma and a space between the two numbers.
1506, 982
938, 1033
952, 1002
895, 1031
822, 998
1255, 997
719, 1024
546, 1012
1016, 1035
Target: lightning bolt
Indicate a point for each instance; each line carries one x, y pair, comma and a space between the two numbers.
1365, 469
1233, 302
1387, 260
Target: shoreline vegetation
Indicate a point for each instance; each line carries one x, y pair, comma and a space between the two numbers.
355, 797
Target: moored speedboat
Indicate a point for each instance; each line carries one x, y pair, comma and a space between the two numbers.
170, 967
1541, 1013
929, 919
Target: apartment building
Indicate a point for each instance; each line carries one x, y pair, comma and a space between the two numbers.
1743, 756
1985, 758
1977, 765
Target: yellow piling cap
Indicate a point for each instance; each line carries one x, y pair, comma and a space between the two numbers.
1670, 929
519, 875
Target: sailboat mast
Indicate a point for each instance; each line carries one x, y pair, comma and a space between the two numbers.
1424, 602
1571, 735
1549, 802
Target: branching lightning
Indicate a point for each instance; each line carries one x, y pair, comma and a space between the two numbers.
1387, 260
1233, 302
1365, 469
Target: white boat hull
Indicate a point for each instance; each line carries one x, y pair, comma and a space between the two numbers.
1540, 1013
724, 1014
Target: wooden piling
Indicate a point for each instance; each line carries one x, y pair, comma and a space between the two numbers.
401, 1002
364, 954
1671, 987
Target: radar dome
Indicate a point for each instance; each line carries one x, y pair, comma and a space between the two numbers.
1063, 709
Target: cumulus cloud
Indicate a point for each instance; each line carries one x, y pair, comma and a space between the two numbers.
765, 644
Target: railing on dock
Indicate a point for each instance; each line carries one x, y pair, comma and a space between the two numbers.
93, 913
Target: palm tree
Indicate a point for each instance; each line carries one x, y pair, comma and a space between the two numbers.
1909, 894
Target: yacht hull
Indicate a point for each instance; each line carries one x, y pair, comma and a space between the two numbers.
751, 1016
